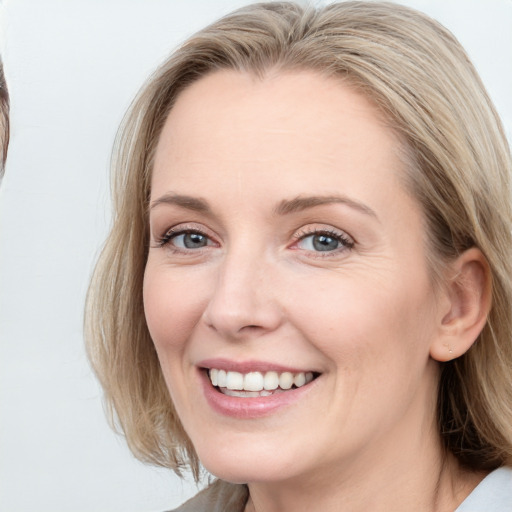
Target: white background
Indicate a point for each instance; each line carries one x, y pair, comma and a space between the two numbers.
72, 67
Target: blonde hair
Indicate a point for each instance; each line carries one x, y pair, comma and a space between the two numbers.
4, 120
458, 168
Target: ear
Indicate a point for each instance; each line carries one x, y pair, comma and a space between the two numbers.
467, 303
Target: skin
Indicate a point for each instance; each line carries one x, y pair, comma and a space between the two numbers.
365, 315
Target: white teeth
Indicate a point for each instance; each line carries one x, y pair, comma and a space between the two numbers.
286, 380
244, 394
257, 383
271, 381
299, 379
214, 373
221, 379
234, 380
249, 394
253, 381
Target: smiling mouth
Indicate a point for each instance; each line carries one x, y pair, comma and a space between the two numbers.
257, 384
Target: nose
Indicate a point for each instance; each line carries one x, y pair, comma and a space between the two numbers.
244, 302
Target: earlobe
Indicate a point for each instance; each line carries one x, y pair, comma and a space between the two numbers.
468, 294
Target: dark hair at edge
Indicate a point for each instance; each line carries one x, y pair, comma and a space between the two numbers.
4, 120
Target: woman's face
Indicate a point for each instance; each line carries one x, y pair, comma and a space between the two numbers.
285, 248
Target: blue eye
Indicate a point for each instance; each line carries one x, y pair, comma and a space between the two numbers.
320, 241
185, 240
192, 240
324, 243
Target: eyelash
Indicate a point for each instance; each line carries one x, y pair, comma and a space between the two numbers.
173, 233
346, 243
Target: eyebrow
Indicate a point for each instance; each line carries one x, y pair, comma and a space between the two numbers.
303, 203
190, 203
285, 207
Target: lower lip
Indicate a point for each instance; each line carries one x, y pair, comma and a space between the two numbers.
250, 407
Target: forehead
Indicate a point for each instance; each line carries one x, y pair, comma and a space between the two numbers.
233, 125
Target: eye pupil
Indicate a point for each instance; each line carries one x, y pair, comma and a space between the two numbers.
325, 243
194, 240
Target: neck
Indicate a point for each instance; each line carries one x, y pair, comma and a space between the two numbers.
418, 476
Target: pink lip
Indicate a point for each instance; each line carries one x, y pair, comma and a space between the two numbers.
250, 407
247, 366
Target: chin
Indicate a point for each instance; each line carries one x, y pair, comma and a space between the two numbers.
239, 465
245, 473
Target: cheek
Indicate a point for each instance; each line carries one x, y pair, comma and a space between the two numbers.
357, 321
172, 306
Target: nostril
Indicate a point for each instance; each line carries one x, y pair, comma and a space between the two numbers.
250, 328
232, 319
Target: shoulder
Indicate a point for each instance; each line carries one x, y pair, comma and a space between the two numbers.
220, 496
493, 494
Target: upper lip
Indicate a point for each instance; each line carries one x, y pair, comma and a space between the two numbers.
249, 366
